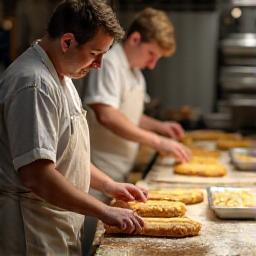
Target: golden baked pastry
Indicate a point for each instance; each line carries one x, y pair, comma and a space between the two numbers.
187, 140
163, 227
204, 160
238, 143
199, 169
201, 152
211, 135
187, 196
152, 208
240, 198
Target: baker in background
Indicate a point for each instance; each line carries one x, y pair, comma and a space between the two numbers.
116, 93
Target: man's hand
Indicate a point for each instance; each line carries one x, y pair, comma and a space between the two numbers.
125, 191
170, 147
172, 130
125, 219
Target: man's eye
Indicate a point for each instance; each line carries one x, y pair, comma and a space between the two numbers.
93, 54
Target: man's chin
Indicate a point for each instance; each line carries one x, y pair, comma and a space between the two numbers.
79, 75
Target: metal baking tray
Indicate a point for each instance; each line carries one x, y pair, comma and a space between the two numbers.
243, 164
231, 212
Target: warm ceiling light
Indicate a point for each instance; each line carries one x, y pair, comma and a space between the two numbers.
236, 13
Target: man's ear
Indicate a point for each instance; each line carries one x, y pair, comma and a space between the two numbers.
135, 38
67, 41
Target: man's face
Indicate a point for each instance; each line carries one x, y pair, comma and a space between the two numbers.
147, 55
78, 60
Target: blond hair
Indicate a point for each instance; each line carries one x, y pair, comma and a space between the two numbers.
154, 25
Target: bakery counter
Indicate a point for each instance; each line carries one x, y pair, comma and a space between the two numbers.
217, 237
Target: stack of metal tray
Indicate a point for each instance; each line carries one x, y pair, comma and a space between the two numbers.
227, 212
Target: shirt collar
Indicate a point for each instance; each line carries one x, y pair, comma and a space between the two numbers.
46, 60
121, 53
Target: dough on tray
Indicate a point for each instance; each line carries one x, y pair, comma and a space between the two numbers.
153, 208
187, 196
200, 169
163, 227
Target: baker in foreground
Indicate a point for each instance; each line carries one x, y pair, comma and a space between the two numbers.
45, 169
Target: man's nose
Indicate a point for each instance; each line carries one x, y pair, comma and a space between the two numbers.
97, 63
152, 63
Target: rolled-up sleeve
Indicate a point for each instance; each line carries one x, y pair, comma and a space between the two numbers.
32, 126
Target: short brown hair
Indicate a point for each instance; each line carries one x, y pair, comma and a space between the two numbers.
154, 25
84, 18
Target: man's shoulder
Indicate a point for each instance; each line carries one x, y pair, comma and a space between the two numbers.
23, 73
24, 66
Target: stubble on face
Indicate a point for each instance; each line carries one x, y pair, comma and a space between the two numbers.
99, 45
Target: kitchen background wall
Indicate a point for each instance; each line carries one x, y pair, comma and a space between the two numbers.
188, 78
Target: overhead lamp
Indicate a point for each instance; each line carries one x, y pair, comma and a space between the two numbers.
236, 13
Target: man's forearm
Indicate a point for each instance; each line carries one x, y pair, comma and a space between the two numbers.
119, 124
134, 133
54, 188
98, 179
150, 124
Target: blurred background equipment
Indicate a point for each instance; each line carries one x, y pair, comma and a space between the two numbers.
237, 66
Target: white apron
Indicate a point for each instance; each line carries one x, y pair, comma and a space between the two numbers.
110, 153
33, 226
38, 228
